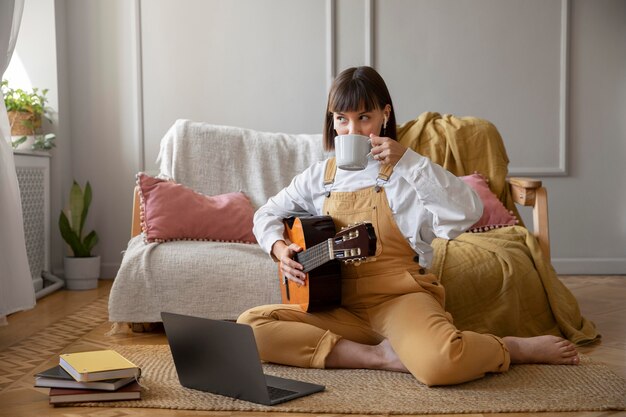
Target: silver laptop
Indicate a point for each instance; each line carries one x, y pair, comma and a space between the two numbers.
222, 357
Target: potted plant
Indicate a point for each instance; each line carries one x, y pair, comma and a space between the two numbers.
25, 111
82, 270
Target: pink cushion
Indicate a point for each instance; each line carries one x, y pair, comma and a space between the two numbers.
494, 213
171, 211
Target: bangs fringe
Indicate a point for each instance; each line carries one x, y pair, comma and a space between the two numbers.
352, 96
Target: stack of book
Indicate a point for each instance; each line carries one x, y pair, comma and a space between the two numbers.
102, 375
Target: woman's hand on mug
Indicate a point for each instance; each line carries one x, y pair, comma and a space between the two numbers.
291, 269
386, 150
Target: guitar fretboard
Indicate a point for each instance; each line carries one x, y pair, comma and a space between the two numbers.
313, 257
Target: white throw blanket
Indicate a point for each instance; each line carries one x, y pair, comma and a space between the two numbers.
215, 159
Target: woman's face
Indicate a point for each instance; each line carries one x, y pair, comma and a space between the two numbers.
360, 122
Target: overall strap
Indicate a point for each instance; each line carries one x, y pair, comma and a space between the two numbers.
383, 176
331, 170
329, 174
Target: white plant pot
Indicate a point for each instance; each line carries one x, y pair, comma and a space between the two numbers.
81, 273
27, 145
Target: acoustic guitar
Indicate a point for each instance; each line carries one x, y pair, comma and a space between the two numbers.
323, 250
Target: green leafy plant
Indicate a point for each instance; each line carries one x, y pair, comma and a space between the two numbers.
20, 100
71, 224
44, 142
27, 109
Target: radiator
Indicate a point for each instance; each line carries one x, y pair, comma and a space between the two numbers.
33, 176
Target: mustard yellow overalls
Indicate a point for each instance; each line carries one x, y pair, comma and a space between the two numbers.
392, 297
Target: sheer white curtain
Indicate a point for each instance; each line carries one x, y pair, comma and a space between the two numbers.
16, 285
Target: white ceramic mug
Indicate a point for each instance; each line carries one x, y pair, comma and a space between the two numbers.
352, 151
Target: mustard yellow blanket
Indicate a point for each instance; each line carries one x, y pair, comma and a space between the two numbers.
498, 281
461, 145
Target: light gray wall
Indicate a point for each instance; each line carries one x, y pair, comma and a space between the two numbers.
98, 71
248, 63
588, 207
558, 101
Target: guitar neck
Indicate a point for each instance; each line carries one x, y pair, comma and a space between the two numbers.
315, 256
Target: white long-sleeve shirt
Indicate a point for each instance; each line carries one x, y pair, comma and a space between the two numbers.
426, 200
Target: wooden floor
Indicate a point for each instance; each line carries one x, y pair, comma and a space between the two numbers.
602, 300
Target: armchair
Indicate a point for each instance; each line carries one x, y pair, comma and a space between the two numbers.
466, 145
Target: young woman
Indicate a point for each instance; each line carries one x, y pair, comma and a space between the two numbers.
392, 314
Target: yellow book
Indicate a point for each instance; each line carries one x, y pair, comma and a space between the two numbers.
98, 365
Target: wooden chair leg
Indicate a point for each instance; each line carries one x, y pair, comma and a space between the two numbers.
540, 221
146, 327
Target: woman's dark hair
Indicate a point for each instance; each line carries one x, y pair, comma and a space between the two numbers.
355, 89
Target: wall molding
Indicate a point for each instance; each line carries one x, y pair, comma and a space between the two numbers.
137, 45
370, 46
562, 168
331, 38
331, 42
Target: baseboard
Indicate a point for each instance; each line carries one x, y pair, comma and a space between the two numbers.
590, 266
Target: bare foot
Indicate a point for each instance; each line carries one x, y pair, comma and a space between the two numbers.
542, 349
389, 358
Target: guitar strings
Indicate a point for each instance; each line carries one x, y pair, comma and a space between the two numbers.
314, 257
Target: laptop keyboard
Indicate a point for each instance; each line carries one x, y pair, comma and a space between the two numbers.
276, 393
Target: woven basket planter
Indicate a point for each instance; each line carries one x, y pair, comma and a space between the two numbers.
20, 123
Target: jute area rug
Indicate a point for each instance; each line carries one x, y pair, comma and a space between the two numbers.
589, 386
